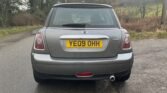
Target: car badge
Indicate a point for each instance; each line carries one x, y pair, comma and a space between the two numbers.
84, 32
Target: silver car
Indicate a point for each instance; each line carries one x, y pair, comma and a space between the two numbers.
82, 42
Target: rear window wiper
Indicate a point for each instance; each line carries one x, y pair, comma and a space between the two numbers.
76, 25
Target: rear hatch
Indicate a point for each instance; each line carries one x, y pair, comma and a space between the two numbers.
83, 43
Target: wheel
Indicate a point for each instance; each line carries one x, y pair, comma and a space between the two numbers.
38, 79
123, 76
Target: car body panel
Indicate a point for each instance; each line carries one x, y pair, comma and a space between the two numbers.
57, 61
55, 38
44, 63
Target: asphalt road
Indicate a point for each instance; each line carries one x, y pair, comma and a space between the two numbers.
149, 74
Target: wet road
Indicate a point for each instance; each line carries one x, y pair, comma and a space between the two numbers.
149, 74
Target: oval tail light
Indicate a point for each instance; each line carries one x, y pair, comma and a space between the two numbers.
126, 43
39, 42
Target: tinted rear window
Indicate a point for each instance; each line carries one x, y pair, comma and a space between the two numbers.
87, 17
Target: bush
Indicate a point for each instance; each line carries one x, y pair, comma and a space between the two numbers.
139, 25
23, 19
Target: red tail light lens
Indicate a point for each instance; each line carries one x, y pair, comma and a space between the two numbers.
126, 42
39, 42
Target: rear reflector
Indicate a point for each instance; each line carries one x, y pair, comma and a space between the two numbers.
84, 74
39, 42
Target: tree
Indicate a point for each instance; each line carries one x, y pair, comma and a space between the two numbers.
142, 8
40, 8
164, 9
7, 9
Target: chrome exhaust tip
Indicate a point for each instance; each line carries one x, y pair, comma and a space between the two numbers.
112, 78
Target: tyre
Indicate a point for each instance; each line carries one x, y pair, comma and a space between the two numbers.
123, 76
38, 79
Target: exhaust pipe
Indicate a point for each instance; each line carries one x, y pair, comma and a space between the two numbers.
112, 78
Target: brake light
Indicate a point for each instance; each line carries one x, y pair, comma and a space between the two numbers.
126, 42
39, 42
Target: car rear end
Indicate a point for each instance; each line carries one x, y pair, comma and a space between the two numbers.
81, 42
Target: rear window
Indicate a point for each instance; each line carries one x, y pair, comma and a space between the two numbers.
83, 17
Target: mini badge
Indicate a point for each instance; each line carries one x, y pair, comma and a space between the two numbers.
84, 32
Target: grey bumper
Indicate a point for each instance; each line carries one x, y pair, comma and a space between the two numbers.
44, 63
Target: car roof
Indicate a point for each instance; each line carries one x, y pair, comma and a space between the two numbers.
82, 5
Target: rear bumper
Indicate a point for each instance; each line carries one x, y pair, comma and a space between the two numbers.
67, 68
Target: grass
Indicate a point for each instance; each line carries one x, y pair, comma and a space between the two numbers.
13, 30
148, 35
152, 10
134, 35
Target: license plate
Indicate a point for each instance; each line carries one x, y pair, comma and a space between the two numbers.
84, 44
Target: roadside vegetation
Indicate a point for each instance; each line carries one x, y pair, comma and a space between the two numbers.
143, 21
148, 35
17, 29
142, 18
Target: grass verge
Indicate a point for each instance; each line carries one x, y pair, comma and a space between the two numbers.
134, 35
13, 30
148, 35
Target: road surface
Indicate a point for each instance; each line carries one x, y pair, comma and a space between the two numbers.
149, 73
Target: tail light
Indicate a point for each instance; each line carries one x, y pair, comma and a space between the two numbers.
126, 43
39, 42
